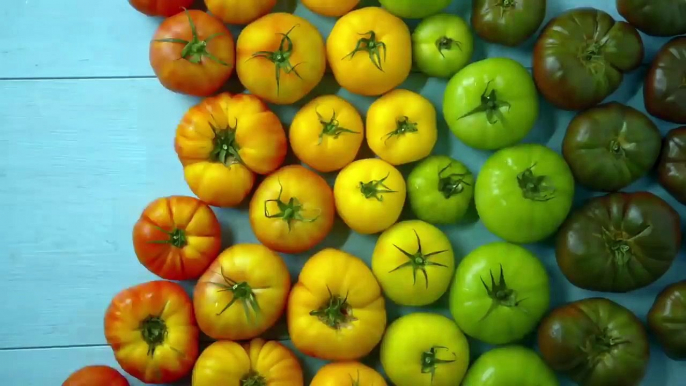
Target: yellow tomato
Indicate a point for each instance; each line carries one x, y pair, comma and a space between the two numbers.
332, 8
280, 57
336, 310
258, 362
369, 51
347, 373
414, 263
369, 195
239, 11
401, 127
326, 133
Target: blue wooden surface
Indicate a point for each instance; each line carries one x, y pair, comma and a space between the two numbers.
86, 143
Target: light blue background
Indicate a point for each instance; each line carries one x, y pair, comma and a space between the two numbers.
86, 143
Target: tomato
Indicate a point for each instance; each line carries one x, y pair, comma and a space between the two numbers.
671, 168
292, 210
164, 8
239, 11
336, 310
524, 193
664, 90
491, 103
242, 294
280, 57
96, 376
581, 56
440, 190
223, 141
413, 252
254, 363
369, 51
326, 133
344, 373
667, 318
413, 9
595, 342
510, 365
619, 242
507, 22
370, 195
332, 8
177, 237
655, 17
423, 349
401, 127
151, 329
441, 45
610, 146
192, 53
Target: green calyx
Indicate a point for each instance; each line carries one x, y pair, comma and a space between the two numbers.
332, 127
535, 188
451, 184
683, 81
616, 148
506, 3
356, 382
253, 378
375, 188
336, 312
281, 58
500, 293
243, 293
154, 332
445, 43
288, 211
403, 125
177, 237
195, 49
418, 261
225, 145
598, 345
491, 105
373, 47
430, 360
618, 245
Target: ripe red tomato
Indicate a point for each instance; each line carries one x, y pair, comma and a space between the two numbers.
192, 53
96, 376
164, 8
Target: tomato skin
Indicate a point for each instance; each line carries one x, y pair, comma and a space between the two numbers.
333, 276
355, 71
182, 75
326, 134
442, 45
410, 337
246, 126
655, 17
667, 317
373, 214
230, 363
510, 365
671, 168
151, 329
96, 376
477, 310
307, 195
401, 127
164, 8
177, 237
513, 211
306, 54
331, 8
342, 373
664, 90
507, 23
412, 9
239, 11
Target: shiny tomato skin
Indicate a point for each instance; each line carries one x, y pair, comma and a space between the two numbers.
510, 365
180, 74
256, 277
239, 11
96, 376
442, 45
302, 61
342, 373
655, 17
151, 329
671, 168
664, 90
413, 9
331, 8
667, 318
223, 142
507, 22
305, 197
163, 8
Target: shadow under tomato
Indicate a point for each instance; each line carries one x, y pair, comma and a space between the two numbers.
200, 5
288, 6
545, 125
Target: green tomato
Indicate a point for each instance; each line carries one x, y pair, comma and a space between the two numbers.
511, 365
524, 193
441, 45
491, 104
414, 9
499, 293
440, 190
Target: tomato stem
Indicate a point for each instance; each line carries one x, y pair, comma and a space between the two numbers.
375, 188
597, 345
446, 43
403, 126
535, 188
253, 378
500, 293
154, 332
336, 312
331, 127
288, 211
226, 148
418, 261
281, 58
491, 105
242, 292
619, 246
195, 49
177, 237
430, 361
356, 382
372, 47
507, 3
453, 183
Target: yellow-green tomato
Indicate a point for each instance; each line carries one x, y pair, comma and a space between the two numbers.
510, 365
424, 349
441, 45
414, 263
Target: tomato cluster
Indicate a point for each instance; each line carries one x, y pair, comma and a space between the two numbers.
233, 148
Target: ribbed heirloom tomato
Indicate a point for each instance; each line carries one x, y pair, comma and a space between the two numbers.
239, 11
347, 373
151, 329
164, 8
332, 8
223, 141
96, 376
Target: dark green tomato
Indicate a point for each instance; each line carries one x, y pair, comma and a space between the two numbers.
618, 242
507, 22
664, 91
655, 17
595, 342
610, 146
667, 320
672, 166
440, 190
441, 45
581, 56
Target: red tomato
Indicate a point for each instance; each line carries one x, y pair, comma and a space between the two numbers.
192, 53
164, 8
151, 329
96, 376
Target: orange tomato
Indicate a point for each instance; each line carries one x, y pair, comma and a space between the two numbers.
347, 373
223, 141
152, 331
326, 133
242, 293
332, 8
177, 237
280, 57
369, 51
239, 11
96, 376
